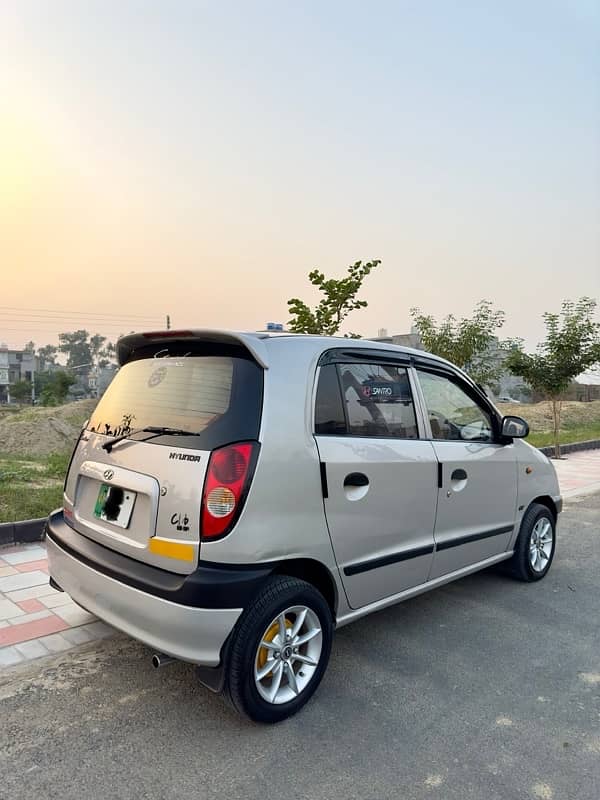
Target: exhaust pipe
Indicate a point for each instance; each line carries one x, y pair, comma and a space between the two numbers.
161, 660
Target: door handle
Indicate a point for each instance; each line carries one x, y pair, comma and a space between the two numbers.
356, 479
458, 480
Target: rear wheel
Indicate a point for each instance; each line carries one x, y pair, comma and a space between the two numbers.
280, 650
534, 549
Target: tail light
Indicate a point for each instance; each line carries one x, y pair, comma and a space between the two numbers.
227, 481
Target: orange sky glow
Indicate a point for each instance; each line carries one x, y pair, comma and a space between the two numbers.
181, 162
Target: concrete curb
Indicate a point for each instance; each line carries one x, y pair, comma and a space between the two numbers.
591, 444
28, 530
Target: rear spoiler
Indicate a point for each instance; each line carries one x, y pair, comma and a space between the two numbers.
253, 342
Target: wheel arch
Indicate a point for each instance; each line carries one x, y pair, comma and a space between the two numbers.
313, 572
546, 500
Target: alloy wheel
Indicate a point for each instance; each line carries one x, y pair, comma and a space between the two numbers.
288, 655
540, 544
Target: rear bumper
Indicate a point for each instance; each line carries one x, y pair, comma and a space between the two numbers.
185, 632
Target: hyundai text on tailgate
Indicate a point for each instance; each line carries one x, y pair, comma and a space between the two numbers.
234, 497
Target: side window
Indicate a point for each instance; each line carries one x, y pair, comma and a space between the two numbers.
378, 400
329, 411
453, 414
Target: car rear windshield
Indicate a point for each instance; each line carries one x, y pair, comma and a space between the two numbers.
219, 397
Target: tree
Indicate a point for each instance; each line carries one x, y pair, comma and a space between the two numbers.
21, 391
470, 343
107, 355
338, 301
52, 387
40, 381
85, 350
76, 347
572, 346
29, 347
47, 354
524, 390
96, 346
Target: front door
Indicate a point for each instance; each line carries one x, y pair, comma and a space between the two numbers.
381, 479
476, 507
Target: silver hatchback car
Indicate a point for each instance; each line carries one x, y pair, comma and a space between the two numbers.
235, 497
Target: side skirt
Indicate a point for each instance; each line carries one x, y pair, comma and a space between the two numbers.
355, 614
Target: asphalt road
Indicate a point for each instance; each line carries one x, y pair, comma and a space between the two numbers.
486, 689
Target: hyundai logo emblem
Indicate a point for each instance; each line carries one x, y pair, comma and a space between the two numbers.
108, 474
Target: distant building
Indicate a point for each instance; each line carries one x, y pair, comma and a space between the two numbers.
585, 387
99, 378
411, 339
4, 374
15, 365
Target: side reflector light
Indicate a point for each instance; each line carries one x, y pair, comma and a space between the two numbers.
171, 549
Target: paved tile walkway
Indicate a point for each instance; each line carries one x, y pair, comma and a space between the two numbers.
579, 473
36, 620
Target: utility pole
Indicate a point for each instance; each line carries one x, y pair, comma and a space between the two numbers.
168, 322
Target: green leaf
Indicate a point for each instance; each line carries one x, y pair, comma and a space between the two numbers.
339, 299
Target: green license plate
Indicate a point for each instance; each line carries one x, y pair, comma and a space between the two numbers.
114, 505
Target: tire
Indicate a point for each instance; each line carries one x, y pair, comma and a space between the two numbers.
297, 603
538, 521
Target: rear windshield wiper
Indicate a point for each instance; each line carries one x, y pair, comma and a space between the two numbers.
156, 431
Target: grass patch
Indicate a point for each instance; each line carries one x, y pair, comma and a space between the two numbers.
20, 501
581, 433
32, 469
31, 487
56, 465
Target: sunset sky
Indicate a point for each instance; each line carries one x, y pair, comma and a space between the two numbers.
199, 158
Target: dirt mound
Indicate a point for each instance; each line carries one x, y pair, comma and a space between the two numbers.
39, 431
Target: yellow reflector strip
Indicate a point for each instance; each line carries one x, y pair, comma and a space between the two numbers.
165, 547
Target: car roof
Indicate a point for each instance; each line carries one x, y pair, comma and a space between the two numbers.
318, 343
260, 342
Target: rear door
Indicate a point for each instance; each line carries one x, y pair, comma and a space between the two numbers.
476, 507
381, 480
143, 498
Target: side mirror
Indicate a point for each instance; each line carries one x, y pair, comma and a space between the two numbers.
514, 428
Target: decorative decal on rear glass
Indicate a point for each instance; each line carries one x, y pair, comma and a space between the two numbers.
121, 430
157, 377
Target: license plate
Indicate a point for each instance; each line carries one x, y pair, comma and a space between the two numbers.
114, 505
